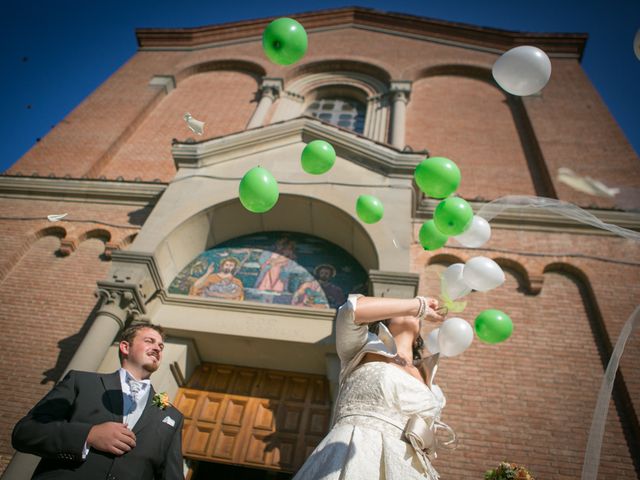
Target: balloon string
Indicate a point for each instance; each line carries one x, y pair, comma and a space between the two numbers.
448, 303
596, 433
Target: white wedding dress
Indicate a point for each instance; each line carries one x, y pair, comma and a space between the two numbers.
366, 441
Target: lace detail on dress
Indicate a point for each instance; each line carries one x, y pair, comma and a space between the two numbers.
367, 441
381, 397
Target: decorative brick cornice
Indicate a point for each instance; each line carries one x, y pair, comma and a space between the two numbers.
109, 248
492, 39
67, 246
81, 190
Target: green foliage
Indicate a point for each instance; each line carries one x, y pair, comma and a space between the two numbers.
508, 471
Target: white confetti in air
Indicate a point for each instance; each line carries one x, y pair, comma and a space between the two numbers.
55, 218
196, 126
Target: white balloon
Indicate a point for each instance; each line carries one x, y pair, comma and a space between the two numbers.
453, 283
522, 70
636, 44
432, 341
482, 274
454, 337
476, 235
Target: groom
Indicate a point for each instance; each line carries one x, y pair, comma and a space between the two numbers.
107, 426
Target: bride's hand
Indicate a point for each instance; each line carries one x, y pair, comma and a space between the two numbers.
434, 311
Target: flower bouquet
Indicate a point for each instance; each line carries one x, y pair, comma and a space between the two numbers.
509, 471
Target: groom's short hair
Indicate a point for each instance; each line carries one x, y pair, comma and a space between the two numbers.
129, 333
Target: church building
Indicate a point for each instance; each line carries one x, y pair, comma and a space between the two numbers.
155, 232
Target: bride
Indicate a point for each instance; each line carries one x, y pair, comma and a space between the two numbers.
388, 408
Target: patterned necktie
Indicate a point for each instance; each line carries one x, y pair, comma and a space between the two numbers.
135, 386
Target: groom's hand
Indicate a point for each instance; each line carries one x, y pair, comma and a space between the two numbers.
111, 437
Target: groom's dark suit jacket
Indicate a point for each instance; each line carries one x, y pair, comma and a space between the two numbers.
57, 427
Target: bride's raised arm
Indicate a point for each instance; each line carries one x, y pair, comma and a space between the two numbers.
372, 309
358, 311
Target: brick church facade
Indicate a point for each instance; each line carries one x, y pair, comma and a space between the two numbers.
255, 375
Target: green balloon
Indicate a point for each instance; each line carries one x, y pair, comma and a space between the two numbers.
318, 157
453, 216
437, 177
369, 209
284, 41
493, 326
430, 237
258, 190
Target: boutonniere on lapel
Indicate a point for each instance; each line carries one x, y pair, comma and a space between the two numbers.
161, 400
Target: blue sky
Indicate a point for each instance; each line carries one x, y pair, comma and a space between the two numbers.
55, 53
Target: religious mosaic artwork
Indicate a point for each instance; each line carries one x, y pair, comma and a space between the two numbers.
274, 267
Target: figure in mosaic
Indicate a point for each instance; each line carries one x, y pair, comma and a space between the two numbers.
222, 284
273, 273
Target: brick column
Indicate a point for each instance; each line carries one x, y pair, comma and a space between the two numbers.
269, 91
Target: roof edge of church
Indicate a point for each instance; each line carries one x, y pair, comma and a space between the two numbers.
561, 44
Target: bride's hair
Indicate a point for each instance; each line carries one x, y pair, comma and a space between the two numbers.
417, 346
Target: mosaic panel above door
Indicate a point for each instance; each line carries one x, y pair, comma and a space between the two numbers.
274, 267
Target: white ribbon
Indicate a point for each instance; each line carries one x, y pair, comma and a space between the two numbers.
594, 444
425, 442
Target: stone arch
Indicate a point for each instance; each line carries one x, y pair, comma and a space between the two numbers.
53, 231
435, 265
526, 282
538, 181
251, 68
341, 65
66, 285
444, 259
478, 72
364, 82
581, 279
11, 260
227, 220
99, 233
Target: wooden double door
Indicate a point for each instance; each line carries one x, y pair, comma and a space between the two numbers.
253, 417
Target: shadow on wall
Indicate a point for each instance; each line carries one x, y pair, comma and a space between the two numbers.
68, 347
138, 217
